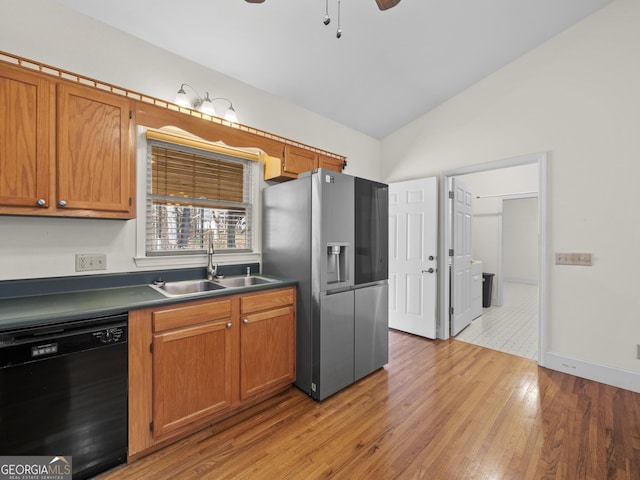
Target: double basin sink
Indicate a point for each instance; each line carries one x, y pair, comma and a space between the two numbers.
193, 287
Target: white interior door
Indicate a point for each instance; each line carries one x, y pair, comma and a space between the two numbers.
461, 260
413, 235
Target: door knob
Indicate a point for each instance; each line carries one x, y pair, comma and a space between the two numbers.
430, 270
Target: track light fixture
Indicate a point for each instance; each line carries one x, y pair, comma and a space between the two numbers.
204, 104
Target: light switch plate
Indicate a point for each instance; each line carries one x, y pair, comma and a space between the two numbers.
583, 259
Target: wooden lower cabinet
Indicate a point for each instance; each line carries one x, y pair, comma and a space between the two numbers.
267, 342
193, 351
195, 362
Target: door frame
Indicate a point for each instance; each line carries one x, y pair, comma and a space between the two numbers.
445, 226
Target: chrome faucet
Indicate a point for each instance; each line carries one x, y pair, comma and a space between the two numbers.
212, 268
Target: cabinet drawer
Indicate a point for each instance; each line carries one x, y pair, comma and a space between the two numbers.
183, 316
267, 300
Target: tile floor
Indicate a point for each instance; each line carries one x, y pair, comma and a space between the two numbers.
512, 328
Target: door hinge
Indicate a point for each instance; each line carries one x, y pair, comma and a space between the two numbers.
130, 114
451, 196
451, 310
151, 347
151, 427
451, 252
130, 201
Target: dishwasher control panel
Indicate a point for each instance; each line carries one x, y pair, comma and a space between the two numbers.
109, 335
50, 341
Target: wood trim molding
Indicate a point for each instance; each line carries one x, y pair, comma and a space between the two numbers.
175, 135
232, 134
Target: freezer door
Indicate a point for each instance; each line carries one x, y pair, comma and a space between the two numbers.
336, 344
371, 329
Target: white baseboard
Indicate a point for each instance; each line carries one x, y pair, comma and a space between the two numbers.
615, 377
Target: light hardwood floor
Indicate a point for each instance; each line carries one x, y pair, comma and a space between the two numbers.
439, 410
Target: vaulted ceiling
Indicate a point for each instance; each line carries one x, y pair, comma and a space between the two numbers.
387, 68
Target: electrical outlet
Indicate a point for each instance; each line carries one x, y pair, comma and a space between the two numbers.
90, 261
583, 259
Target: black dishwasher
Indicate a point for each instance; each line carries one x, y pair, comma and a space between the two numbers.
63, 392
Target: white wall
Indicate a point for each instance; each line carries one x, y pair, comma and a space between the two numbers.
520, 240
485, 225
578, 98
46, 32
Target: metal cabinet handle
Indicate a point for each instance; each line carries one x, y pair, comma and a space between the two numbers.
245, 321
41, 202
62, 203
229, 325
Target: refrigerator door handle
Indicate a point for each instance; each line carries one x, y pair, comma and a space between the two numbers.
370, 284
333, 292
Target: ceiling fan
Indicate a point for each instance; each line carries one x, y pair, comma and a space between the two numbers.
382, 4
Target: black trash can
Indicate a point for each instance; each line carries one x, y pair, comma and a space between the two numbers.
487, 289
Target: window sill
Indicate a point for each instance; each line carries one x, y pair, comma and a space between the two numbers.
182, 261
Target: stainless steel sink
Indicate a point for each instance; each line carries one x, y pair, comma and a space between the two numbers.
244, 281
187, 287
195, 287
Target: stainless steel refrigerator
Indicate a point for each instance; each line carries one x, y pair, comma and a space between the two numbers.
329, 231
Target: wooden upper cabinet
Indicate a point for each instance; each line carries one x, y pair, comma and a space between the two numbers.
330, 163
25, 139
94, 158
65, 149
297, 160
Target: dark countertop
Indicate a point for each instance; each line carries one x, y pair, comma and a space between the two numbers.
33, 310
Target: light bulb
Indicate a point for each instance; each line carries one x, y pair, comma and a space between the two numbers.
207, 105
230, 115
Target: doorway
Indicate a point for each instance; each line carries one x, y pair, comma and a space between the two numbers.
538, 160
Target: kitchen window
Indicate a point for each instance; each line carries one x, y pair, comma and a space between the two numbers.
195, 189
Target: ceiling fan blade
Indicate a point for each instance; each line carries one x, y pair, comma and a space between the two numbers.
386, 4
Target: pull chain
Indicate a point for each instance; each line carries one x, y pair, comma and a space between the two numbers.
339, 31
327, 20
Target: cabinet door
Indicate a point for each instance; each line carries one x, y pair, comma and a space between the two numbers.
267, 351
25, 139
192, 374
298, 160
330, 163
94, 162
